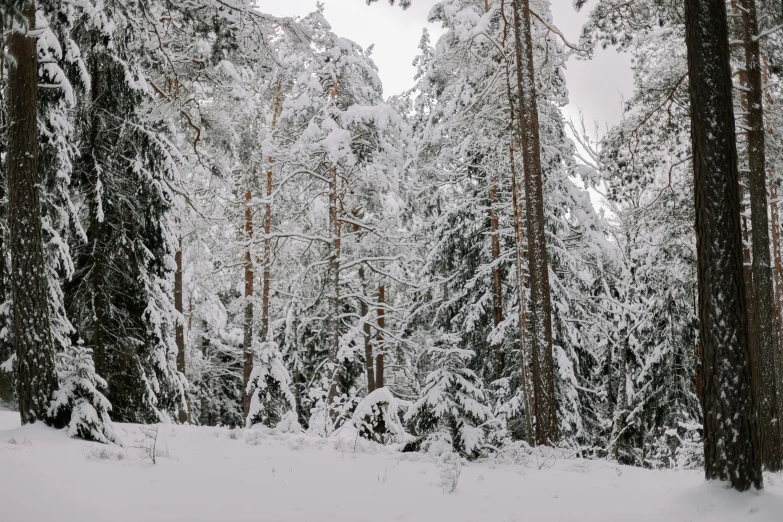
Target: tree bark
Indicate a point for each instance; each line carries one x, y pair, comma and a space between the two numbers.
267, 277
763, 289
179, 329
731, 445
247, 342
379, 361
520, 237
497, 277
778, 267
333, 321
541, 318
35, 352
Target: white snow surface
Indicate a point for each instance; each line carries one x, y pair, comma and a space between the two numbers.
217, 474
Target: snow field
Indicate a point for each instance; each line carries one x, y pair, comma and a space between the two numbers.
217, 474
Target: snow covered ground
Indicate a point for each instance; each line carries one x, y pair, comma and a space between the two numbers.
215, 474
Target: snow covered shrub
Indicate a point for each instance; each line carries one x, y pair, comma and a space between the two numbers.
321, 423
449, 470
376, 417
453, 406
270, 384
78, 404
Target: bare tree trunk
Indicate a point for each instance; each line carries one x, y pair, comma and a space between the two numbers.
527, 393
369, 361
541, 318
519, 234
379, 361
778, 267
731, 445
497, 277
179, 329
247, 342
267, 278
763, 290
333, 322
35, 352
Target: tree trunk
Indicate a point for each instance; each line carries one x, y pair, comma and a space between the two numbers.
763, 289
379, 371
520, 237
247, 342
179, 329
519, 234
497, 277
267, 278
541, 318
778, 267
333, 321
35, 352
731, 445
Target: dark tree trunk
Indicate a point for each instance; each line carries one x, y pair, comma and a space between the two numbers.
731, 445
247, 341
763, 290
37, 379
179, 329
369, 361
546, 426
519, 236
379, 370
497, 277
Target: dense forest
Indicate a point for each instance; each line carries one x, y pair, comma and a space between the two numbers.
215, 216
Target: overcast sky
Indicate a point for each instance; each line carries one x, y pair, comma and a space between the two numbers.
597, 87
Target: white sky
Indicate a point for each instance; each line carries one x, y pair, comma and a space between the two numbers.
596, 87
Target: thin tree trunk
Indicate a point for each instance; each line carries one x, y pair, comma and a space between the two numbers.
369, 361
497, 277
267, 278
35, 351
247, 342
379, 370
763, 289
333, 322
731, 445
541, 318
179, 329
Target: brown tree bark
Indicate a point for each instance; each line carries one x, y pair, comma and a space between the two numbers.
731, 445
35, 352
379, 359
763, 289
247, 342
546, 425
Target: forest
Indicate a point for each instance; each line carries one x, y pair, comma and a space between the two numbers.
211, 216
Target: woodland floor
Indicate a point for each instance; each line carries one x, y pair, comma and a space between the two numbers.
216, 474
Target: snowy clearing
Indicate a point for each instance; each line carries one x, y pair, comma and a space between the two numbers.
215, 474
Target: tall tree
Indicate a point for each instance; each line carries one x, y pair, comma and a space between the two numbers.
731, 445
766, 327
35, 352
546, 426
